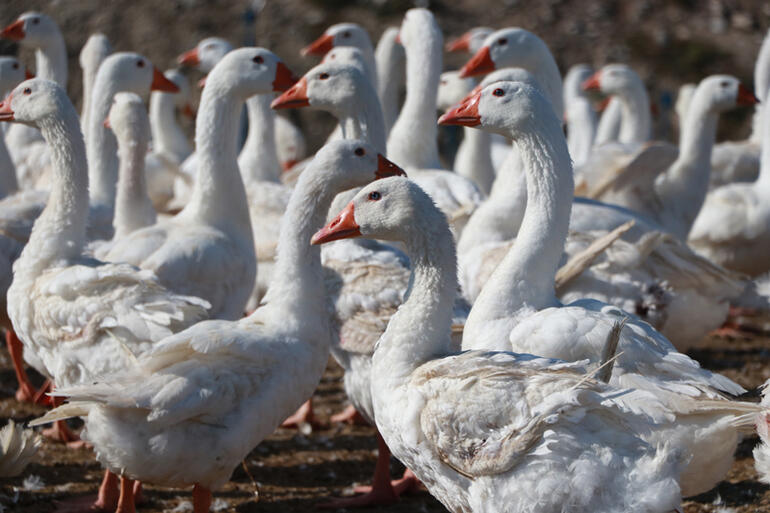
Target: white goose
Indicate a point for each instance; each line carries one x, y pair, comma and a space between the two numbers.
11, 73
733, 226
608, 129
494, 432
670, 184
40, 32
390, 58
470, 42
240, 379
188, 251
93, 53
346, 34
579, 114
518, 309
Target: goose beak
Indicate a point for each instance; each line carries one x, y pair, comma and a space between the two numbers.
14, 31
284, 78
161, 83
464, 114
107, 123
343, 226
289, 164
189, 58
592, 83
320, 46
188, 111
745, 96
6, 114
28, 74
460, 44
386, 168
480, 64
294, 98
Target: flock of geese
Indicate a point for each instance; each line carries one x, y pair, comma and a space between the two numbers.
514, 324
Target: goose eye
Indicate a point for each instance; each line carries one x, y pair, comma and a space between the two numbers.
258, 59
15, 65
374, 196
140, 64
35, 21
346, 34
502, 41
360, 152
724, 84
498, 92
27, 90
323, 76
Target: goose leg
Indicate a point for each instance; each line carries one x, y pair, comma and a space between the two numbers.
26, 391
60, 432
350, 416
106, 501
304, 415
126, 500
201, 499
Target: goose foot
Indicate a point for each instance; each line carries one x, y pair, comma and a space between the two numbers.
302, 417
126, 499
201, 499
349, 416
60, 432
106, 501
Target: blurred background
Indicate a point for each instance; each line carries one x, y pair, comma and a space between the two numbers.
668, 42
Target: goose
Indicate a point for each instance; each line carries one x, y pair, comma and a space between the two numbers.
390, 59
486, 431
241, 378
188, 251
170, 146
683, 100
733, 226
93, 53
608, 129
739, 161
346, 34
18, 446
474, 158
12, 72
470, 42
412, 140
761, 451
669, 184
579, 114
40, 32
518, 309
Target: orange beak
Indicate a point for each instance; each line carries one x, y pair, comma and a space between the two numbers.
464, 114
188, 111
289, 164
107, 122
6, 114
480, 64
28, 74
320, 46
461, 44
343, 226
161, 83
14, 31
745, 96
189, 58
592, 82
284, 78
386, 168
294, 98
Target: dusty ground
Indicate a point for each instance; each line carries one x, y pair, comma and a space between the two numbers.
294, 473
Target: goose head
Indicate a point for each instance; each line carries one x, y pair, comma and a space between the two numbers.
470, 42
394, 209
329, 86
613, 79
452, 89
135, 73
249, 71
34, 101
128, 117
11, 73
719, 93
414, 26
505, 108
505, 48
31, 29
341, 34
346, 55
206, 54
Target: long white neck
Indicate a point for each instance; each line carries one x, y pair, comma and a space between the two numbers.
474, 158
8, 182
102, 146
412, 141
525, 277
389, 56
297, 285
93, 54
763, 181
421, 328
581, 129
60, 231
133, 207
361, 118
683, 188
635, 120
761, 85
218, 197
258, 159
51, 60
609, 123
167, 135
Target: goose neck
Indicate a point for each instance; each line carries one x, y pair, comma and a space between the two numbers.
51, 60
525, 277
581, 129
258, 159
362, 118
635, 119
133, 208
389, 57
167, 135
763, 181
102, 147
474, 159
8, 181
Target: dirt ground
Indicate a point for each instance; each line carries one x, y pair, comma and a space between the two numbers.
295, 472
